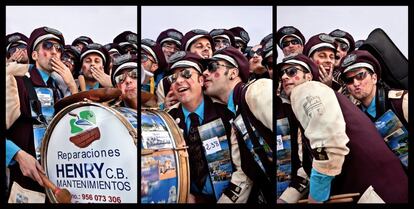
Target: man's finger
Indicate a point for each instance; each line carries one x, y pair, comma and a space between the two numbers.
37, 177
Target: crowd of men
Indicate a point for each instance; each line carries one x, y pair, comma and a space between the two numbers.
202, 77
41, 70
331, 107
329, 95
335, 104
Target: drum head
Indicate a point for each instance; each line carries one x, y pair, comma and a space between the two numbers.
91, 150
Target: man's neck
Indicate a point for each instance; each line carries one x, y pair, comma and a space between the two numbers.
43, 70
367, 100
131, 103
224, 98
192, 105
90, 82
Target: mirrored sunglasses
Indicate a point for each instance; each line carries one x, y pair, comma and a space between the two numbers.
359, 77
119, 79
291, 71
47, 45
14, 48
185, 73
213, 66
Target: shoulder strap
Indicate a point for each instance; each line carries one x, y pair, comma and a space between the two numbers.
381, 106
34, 102
259, 149
262, 129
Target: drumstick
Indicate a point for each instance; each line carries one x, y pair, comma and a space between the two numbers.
337, 198
82, 83
62, 195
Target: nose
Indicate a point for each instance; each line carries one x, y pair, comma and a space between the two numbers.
356, 82
128, 80
54, 50
206, 74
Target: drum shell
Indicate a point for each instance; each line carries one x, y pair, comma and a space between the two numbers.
178, 148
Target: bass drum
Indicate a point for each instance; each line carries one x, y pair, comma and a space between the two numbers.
91, 150
165, 173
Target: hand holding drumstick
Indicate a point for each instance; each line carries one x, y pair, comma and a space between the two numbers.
62, 195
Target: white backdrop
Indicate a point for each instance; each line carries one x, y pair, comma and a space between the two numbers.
101, 23
359, 21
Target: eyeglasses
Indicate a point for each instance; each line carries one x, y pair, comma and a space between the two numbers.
291, 71
186, 73
69, 59
145, 57
293, 42
251, 53
240, 45
359, 77
130, 50
114, 55
47, 45
213, 66
14, 48
225, 42
343, 46
170, 47
121, 78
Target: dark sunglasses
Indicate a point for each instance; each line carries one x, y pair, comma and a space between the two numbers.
186, 73
213, 66
293, 42
251, 53
360, 76
47, 45
14, 48
121, 78
291, 71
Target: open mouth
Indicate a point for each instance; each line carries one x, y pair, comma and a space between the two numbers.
183, 89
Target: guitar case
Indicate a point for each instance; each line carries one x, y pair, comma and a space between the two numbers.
393, 63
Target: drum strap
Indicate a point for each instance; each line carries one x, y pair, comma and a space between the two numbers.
34, 102
269, 166
152, 85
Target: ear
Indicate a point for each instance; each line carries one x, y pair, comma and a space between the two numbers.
35, 55
234, 73
201, 80
154, 67
374, 78
308, 76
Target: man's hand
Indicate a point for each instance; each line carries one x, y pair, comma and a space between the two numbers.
191, 198
312, 201
280, 201
103, 78
17, 56
29, 166
65, 73
325, 77
170, 99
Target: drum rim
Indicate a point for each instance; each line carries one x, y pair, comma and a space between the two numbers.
45, 141
179, 153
